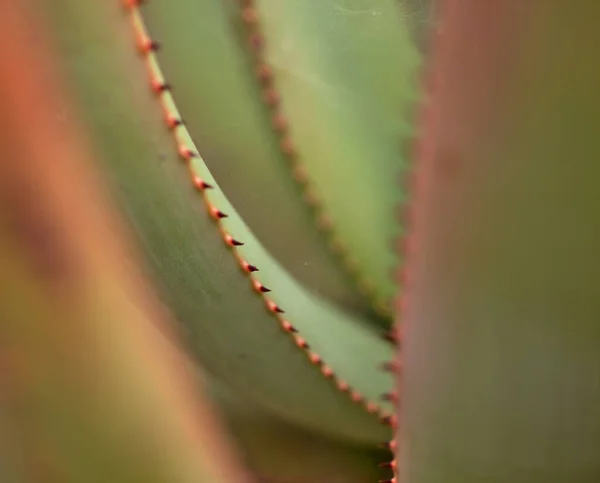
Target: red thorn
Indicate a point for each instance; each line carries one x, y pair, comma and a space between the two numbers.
172, 121
201, 184
389, 464
393, 480
327, 371
315, 358
273, 307
185, 153
343, 386
216, 213
232, 241
159, 86
249, 268
389, 421
264, 73
271, 97
300, 342
355, 396
372, 407
260, 287
288, 327
148, 45
250, 16
390, 396
256, 41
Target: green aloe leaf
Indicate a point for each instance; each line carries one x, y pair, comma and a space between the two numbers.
228, 323
502, 373
93, 385
204, 57
344, 74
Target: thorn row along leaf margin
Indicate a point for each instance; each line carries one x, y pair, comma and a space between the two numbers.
186, 151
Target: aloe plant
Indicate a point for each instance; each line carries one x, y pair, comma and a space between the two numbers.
260, 152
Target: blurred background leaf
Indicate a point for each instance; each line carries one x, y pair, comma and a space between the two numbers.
94, 387
502, 360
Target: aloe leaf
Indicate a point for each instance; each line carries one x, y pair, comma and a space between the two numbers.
57, 427
204, 57
229, 324
502, 348
346, 73
345, 86
94, 388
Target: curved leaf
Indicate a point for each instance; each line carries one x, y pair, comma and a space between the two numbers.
229, 324
77, 402
215, 85
345, 79
346, 71
502, 352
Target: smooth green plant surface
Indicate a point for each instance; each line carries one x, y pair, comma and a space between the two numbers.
502, 373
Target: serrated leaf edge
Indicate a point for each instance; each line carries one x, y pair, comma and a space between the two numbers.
271, 97
187, 151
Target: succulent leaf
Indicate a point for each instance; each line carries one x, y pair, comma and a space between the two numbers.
501, 381
93, 384
230, 325
346, 74
204, 56
341, 78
